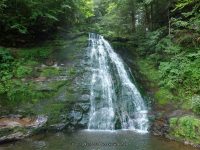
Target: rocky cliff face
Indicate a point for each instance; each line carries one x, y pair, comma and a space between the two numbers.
64, 84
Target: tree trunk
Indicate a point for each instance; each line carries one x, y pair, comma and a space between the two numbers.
132, 5
133, 20
151, 18
169, 21
147, 18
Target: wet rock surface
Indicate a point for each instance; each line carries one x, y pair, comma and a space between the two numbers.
17, 127
160, 126
79, 116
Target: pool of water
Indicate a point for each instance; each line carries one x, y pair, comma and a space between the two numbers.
95, 140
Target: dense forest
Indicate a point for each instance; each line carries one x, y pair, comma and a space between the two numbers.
24, 20
161, 36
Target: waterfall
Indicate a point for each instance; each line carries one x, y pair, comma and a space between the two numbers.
116, 103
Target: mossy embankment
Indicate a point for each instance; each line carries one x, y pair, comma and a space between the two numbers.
174, 89
174, 116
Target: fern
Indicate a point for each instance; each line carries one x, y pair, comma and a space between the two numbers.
21, 28
51, 17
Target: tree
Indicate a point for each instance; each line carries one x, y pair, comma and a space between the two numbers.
27, 19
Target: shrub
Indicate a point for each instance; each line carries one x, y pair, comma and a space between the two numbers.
181, 71
186, 127
2, 89
163, 96
6, 64
35, 53
166, 45
23, 71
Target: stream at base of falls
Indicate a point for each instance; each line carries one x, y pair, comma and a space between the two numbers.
95, 140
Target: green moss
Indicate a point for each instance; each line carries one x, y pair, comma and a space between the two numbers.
54, 111
186, 104
53, 108
82, 40
19, 91
51, 86
72, 72
50, 72
70, 97
55, 85
186, 128
163, 96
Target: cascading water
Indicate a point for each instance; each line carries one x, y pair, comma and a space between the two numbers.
115, 101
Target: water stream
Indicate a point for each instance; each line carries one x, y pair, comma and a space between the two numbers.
116, 102
95, 140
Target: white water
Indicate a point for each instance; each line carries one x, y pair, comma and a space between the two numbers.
116, 103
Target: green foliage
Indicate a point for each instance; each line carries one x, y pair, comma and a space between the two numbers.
18, 91
178, 66
12, 70
6, 64
165, 45
190, 18
2, 89
163, 96
35, 53
181, 72
25, 19
115, 17
196, 104
85, 7
23, 71
148, 69
148, 1
112, 6
5, 57
183, 3
2, 5
186, 38
186, 127
148, 43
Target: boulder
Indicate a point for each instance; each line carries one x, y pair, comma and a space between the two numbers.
16, 128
